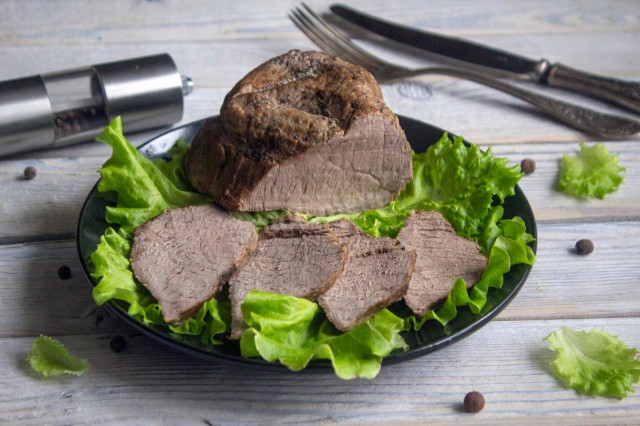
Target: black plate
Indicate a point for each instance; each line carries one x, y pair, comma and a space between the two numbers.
432, 336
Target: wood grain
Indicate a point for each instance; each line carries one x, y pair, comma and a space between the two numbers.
35, 300
219, 21
507, 361
198, 33
561, 284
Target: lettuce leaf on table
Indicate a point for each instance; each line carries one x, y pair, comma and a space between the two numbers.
592, 173
594, 363
49, 358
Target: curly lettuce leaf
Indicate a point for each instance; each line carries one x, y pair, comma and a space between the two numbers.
260, 219
49, 358
294, 331
594, 363
144, 190
592, 173
509, 248
173, 168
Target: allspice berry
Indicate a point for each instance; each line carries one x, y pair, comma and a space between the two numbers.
474, 402
584, 246
64, 272
118, 344
528, 166
29, 172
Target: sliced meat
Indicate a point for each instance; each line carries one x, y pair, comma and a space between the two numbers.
304, 132
376, 274
293, 257
182, 256
442, 257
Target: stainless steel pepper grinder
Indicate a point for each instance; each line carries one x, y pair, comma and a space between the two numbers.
71, 106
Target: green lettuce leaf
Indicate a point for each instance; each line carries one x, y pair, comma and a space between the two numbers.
591, 173
49, 358
260, 219
509, 248
594, 363
173, 168
144, 190
294, 331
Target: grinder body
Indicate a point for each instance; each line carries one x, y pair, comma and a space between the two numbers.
66, 107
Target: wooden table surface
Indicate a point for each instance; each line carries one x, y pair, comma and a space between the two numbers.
216, 43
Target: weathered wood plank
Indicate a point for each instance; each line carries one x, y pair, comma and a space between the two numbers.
42, 21
564, 284
506, 361
48, 205
35, 300
221, 63
561, 285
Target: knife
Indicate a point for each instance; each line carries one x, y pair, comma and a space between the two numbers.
623, 93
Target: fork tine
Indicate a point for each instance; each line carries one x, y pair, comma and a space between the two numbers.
366, 56
339, 48
318, 41
331, 43
321, 38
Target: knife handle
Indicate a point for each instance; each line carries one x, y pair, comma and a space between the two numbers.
623, 93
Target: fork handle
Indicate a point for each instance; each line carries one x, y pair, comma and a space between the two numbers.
624, 93
588, 120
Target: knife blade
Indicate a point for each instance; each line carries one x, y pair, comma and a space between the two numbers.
623, 93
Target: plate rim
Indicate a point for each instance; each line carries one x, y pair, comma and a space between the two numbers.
321, 366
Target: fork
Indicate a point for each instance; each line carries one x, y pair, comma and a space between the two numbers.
333, 42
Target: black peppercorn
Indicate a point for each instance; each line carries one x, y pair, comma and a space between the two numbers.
584, 246
474, 402
64, 272
118, 344
528, 166
29, 172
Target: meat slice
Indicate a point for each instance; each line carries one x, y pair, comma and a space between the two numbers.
293, 257
304, 132
183, 255
442, 257
376, 274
